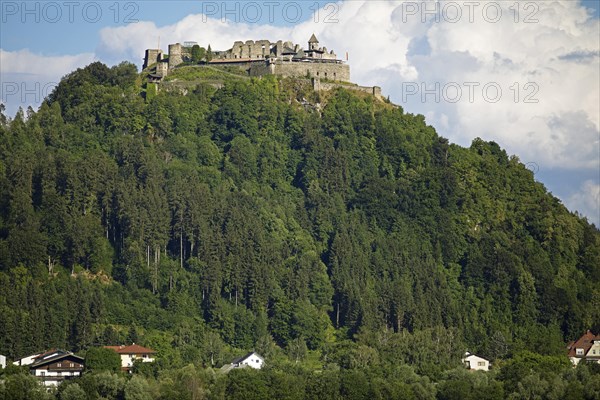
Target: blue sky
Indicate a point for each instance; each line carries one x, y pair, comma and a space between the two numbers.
72, 29
521, 73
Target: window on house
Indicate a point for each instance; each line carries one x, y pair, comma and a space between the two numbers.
71, 365
579, 352
59, 365
42, 373
481, 363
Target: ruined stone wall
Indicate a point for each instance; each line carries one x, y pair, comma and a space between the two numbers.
278, 48
249, 49
372, 90
175, 55
328, 55
377, 91
331, 71
152, 56
162, 68
260, 69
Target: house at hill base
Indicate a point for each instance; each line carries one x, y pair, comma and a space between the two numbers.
26, 360
475, 363
131, 353
586, 348
54, 366
252, 360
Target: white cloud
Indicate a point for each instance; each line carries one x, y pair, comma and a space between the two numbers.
547, 71
27, 78
28, 63
587, 201
129, 42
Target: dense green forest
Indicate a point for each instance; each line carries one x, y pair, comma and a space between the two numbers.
340, 237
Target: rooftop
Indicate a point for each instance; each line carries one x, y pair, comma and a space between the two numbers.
52, 356
131, 349
585, 342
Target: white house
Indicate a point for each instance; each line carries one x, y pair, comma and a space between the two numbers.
252, 360
131, 353
55, 366
2, 361
27, 360
587, 348
473, 362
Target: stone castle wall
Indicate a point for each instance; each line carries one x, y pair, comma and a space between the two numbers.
332, 71
162, 68
372, 90
260, 69
262, 57
152, 56
175, 55
250, 49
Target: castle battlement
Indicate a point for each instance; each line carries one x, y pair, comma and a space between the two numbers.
263, 57
260, 57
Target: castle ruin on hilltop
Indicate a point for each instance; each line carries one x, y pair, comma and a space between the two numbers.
262, 57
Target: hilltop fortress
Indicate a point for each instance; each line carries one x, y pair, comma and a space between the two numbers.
260, 57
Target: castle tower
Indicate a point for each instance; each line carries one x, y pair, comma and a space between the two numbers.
162, 68
313, 43
279, 48
175, 55
152, 56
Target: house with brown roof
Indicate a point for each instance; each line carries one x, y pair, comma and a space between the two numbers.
586, 348
131, 353
53, 367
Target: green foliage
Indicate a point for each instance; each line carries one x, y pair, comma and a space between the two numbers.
198, 53
151, 91
23, 387
137, 388
527, 363
73, 392
246, 384
212, 223
196, 73
102, 359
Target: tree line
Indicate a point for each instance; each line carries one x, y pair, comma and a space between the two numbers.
224, 220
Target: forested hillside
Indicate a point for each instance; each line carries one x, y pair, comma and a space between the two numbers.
345, 233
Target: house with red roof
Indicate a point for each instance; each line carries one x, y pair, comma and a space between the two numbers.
131, 353
586, 348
